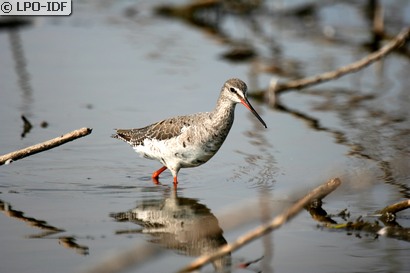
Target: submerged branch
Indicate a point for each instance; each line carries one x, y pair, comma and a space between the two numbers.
319, 192
48, 230
361, 224
26, 127
8, 210
8, 158
69, 242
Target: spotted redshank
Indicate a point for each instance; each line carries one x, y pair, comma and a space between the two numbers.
191, 140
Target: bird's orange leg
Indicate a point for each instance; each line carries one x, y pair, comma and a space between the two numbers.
156, 174
175, 180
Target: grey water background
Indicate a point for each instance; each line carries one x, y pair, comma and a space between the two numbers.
116, 64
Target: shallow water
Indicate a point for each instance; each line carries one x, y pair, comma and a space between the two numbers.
117, 65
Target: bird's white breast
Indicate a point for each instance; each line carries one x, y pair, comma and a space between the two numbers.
177, 151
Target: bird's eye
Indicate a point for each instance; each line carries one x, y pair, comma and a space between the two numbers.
233, 90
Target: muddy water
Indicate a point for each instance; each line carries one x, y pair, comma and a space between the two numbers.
115, 65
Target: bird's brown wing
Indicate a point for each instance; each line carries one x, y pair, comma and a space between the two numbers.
165, 129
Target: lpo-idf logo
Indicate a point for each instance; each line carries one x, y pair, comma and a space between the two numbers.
27, 7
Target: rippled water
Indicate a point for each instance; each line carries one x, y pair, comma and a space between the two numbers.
118, 65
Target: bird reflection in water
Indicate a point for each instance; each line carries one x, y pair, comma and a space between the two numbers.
178, 223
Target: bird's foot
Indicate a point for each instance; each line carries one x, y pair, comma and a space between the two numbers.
155, 175
155, 181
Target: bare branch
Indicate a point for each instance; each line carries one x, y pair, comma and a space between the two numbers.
7, 158
397, 42
319, 192
402, 205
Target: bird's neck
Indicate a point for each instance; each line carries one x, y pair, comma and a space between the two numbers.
223, 114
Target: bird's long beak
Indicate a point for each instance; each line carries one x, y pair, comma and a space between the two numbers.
246, 103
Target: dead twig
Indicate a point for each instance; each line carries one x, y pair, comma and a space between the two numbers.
278, 221
7, 158
388, 214
398, 41
26, 127
399, 206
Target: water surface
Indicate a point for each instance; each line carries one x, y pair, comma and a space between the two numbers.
118, 65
